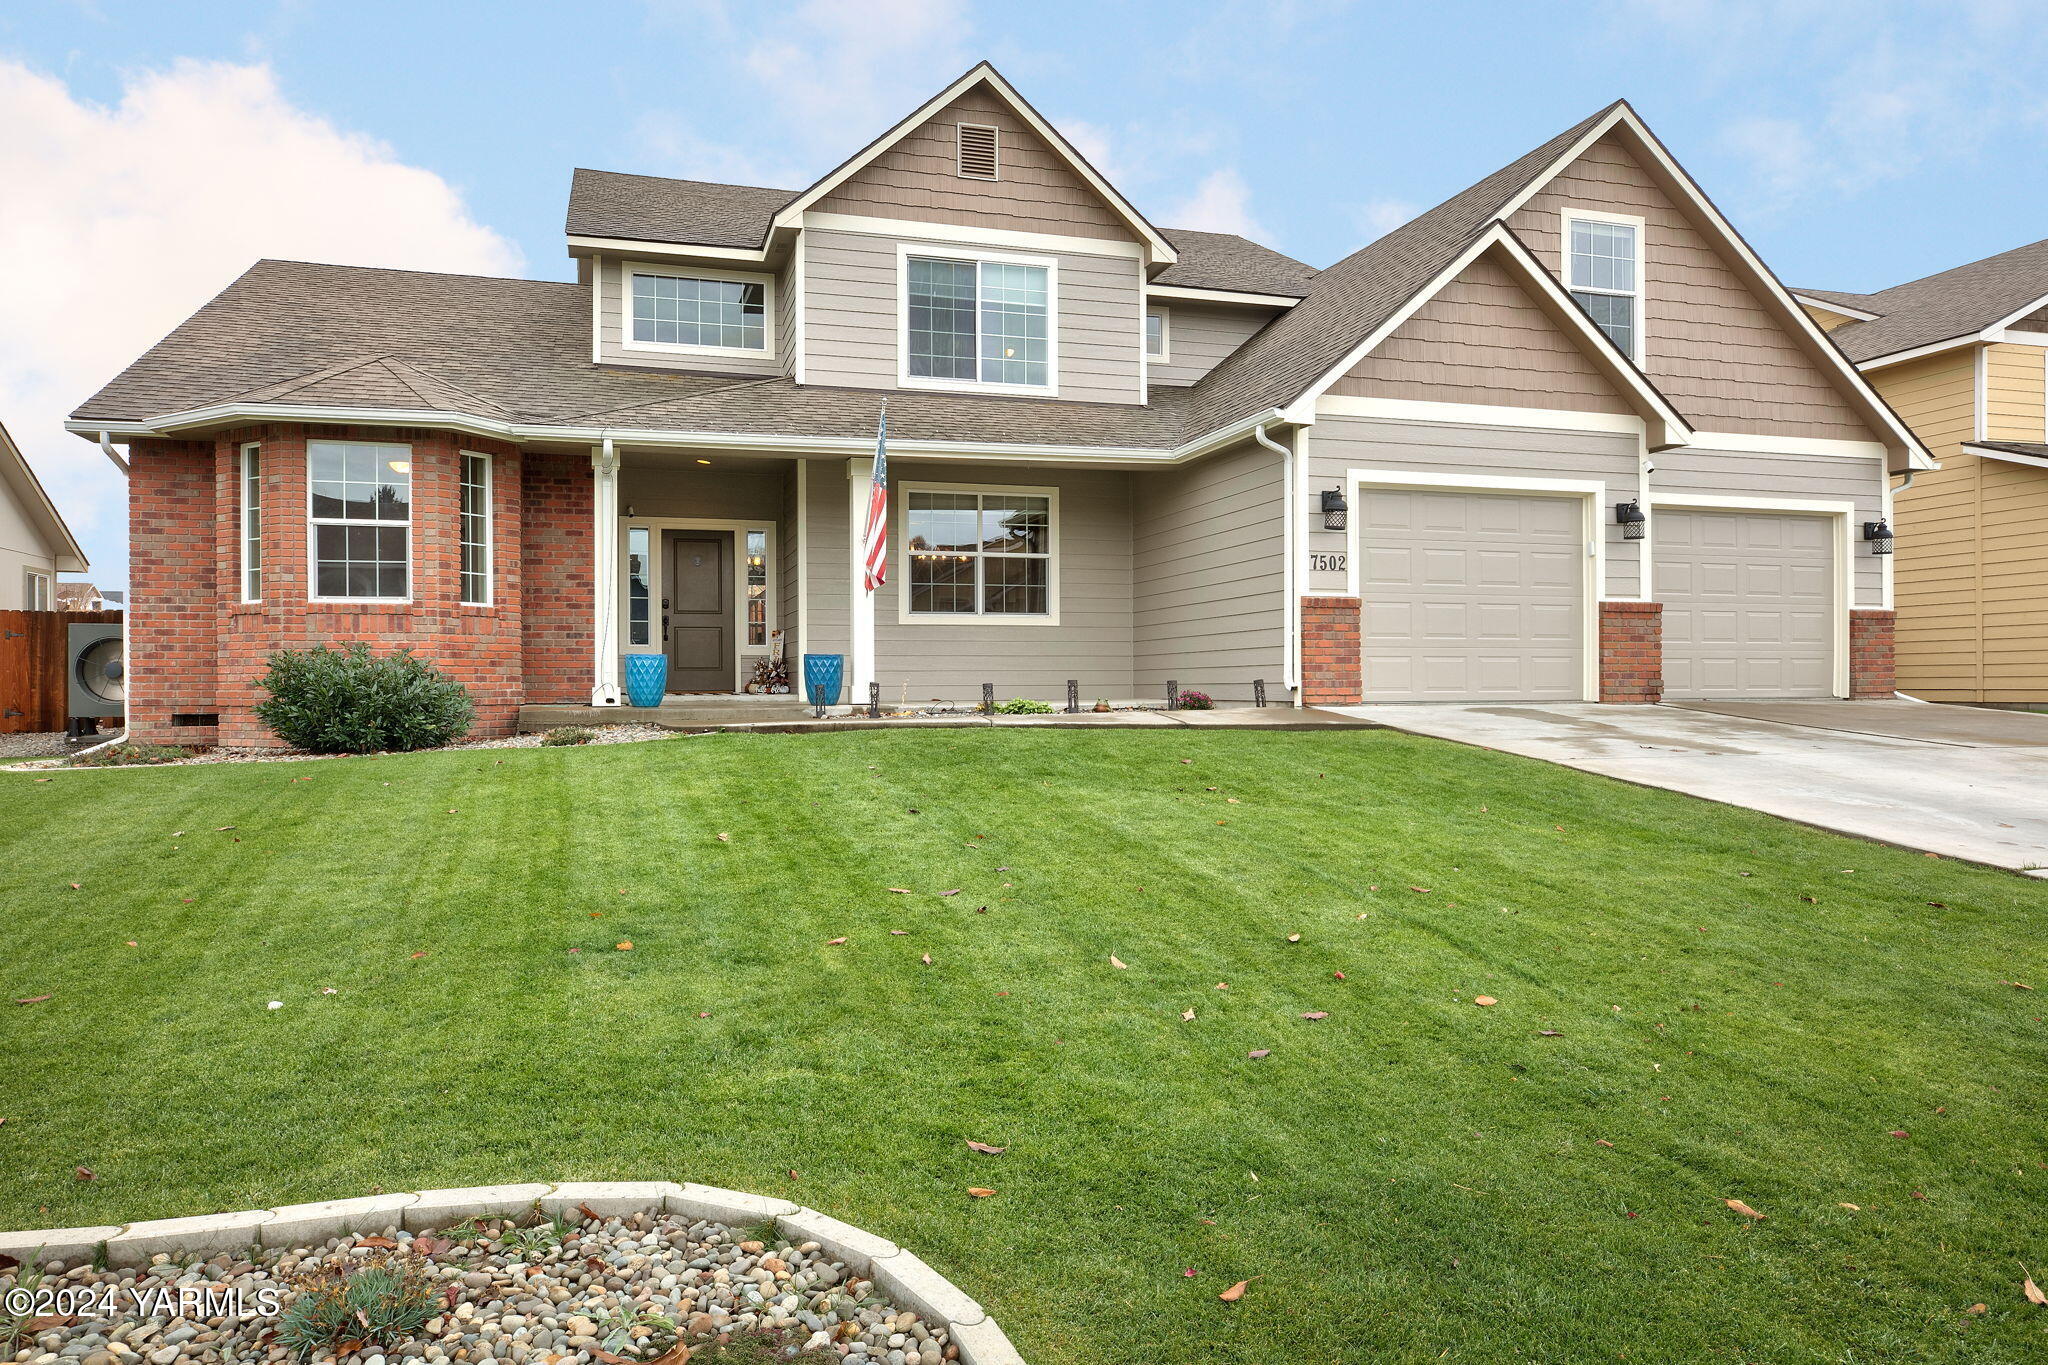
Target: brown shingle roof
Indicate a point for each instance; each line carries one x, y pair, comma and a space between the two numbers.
1944, 306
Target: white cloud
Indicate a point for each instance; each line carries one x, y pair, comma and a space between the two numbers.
122, 220
1378, 217
1220, 203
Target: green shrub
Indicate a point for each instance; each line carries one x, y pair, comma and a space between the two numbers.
131, 755
567, 734
349, 701
379, 1303
1024, 706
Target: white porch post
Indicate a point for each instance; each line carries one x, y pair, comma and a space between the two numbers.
604, 465
860, 663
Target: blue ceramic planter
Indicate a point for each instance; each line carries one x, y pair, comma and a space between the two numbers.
646, 678
824, 676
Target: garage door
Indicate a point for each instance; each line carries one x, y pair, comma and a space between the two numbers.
1471, 597
1748, 604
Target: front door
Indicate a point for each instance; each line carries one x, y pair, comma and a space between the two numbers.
700, 611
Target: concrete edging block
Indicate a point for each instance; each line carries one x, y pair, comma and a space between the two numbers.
445, 1208
72, 1246
609, 1198
983, 1343
208, 1233
858, 1248
731, 1207
293, 1226
906, 1279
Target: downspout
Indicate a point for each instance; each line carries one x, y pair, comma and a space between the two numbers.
1290, 664
1890, 600
127, 660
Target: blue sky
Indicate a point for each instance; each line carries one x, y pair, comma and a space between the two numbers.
1856, 144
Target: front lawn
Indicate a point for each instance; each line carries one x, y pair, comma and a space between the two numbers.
1743, 1008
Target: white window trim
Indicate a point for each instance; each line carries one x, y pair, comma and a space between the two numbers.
905, 616
39, 590
1051, 266
1165, 354
490, 597
1640, 293
251, 455
313, 535
628, 269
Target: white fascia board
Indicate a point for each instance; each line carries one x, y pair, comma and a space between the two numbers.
1160, 251
1743, 442
1760, 276
1478, 414
677, 250
1193, 295
170, 424
2010, 457
1917, 352
1839, 309
902, 228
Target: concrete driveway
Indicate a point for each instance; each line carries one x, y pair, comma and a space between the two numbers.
1954, 780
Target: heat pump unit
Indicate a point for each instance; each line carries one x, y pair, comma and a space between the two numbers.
94, 685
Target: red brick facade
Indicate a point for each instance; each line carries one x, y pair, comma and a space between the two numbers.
1871, 670
1330, 659
199, 649
1631, 651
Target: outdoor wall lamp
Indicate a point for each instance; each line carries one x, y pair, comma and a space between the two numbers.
1879, 535
1629, 516
1335, 509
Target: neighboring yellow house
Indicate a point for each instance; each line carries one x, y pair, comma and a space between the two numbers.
1962, 356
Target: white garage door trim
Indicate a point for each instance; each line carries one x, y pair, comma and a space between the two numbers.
1843, 514
1592, 494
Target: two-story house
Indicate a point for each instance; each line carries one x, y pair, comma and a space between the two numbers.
1562, 437
1963, 356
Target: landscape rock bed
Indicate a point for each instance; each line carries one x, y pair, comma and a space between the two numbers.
610, 1291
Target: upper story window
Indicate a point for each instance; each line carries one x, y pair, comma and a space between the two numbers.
979, 321
1155, 334
252, 522
359, 512
1603, 271
697, 310
979, 552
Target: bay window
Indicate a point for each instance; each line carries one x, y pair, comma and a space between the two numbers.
978, 552
360, 520
982, 321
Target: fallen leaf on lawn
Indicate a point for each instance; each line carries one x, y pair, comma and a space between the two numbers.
980, 1191
1222, 985
2019, 985
2033, 1292
1187, 1016
1939, 905
420, 954
1236, 1291
834, 942
900, 890
1602, 1142
1340, 976
1978, 1308
984, 1148
1549, 1033
1116, 962
178, 834
1294, 938
1188, 1274
1231, 800
926, 959
1853, 1208
329, 990
1422, 889
1900, 1132
624, 945
1745, 1210
899, 933
954, 892
725, 838
1484, 1000
451, 810
83, 1173
382, 1243
76, 887
275, 1005
222, 829
1187, 760
1317, 1014
33, 1000
1259, 1052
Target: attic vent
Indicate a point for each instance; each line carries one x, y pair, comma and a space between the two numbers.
977, 151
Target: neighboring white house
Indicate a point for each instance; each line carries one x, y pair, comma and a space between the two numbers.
35, 544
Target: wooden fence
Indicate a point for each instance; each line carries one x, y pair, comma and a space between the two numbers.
35, 649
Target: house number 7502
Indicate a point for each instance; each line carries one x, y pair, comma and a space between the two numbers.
1326, 563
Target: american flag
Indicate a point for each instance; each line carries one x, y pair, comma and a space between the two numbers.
875, 540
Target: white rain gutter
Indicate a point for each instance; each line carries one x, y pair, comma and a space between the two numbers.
1290, 665
107, 449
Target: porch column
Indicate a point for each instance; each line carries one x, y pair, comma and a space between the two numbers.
860, 663
604, 465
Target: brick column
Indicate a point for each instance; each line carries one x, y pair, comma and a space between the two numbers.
173, 589
1631, 652
560, 570
1330, 662
1872, 672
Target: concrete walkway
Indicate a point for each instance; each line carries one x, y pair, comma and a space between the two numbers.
1954, 780
782, 716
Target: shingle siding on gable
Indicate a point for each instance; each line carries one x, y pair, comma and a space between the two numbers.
851, 302
1482, 339
1711, 347
1034, 190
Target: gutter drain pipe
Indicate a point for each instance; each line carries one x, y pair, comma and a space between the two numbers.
1290, 666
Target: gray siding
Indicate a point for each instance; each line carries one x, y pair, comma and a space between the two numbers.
1199, 335
611, 324
851, 294
791, 569
1209, 579
1833, 477
684, 488
1337, 443
828, 608
1093, 563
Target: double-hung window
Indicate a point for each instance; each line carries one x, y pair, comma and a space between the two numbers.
252, 522
361, 520
983, 322
979, 552
1155, 335
697, 311
476, 529
1604, 272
